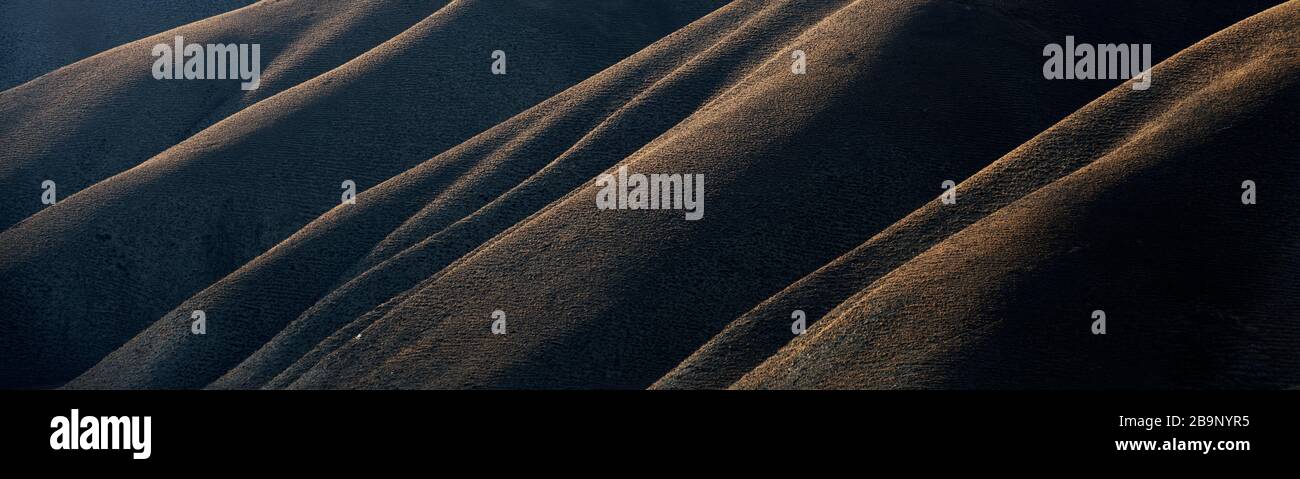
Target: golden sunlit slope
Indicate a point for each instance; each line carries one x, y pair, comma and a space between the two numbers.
604, 299
86, 274
503, 174
1133, 207
478, 195
475, 202
601, 307
103, 115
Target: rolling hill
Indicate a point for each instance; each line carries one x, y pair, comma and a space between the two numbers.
821, 195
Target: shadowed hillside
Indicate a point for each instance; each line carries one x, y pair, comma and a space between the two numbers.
73, 127
39, 36
1145, 223
477, 195
146, 239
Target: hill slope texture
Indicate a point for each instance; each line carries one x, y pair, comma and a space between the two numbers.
476, 253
